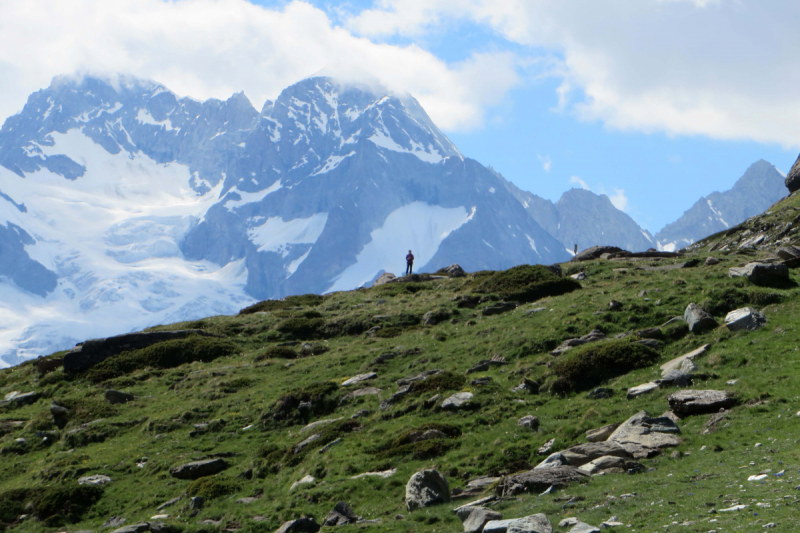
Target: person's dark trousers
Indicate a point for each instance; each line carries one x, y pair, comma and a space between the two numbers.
409, 268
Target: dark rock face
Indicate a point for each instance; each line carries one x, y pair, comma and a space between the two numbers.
17, 265
199, 469
698, 319
96, 351
792, 181
692, 402
538, 480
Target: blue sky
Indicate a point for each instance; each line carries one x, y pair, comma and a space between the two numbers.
653, 102
655, 175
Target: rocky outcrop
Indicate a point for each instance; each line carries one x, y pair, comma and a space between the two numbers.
96, 351
601, 434
454, 271
693, 402
593, 336
383, 279
459, 400
746, 318
199, 469
425, 488
698, 319
584, 453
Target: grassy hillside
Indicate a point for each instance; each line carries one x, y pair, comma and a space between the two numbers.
241, 395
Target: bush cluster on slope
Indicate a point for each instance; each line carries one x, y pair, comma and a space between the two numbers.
524, 283
588, 366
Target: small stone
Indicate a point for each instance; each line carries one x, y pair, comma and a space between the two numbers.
360, 378
196, 502
614, 305
305, 480
600, 393
580, 276
639, 390
199, 469
529, 421
698, 319
98, 479
545, 448
711, 261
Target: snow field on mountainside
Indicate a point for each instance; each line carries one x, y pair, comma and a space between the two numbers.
274, 234
118, 259
417, 226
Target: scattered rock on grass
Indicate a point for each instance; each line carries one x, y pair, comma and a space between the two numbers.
97, 479
475, 518
527, 385
583, 527
529, 421
498, 308
760, 273
341, 514
593, 336
698, 319
538, 480
639, 390
459, 400
675, 364
746, 318
600, 393
305, 480
545, 448
692, 402
711, 261
425, 488
642, 435
360, 378
301, 525
199, 469
537, 523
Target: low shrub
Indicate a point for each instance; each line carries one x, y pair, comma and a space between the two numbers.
439, 382
301, 328
524, 283
234, 385
82, 410
406, 443
212, 487
388, 333
304, 300
323, 397
719, 302
167, 354
588, 366
277, 352
54, 506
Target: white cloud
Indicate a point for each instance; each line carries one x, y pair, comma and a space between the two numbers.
577, 181
619, 199
213, 48
545, 161
727, 69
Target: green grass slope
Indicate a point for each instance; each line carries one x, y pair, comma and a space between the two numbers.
247, 394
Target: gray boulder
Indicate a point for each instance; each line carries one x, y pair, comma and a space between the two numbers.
134, 528
583, 453
600, 393
698, 319
691, 402
592, 336
475, 518
497, 526
790, 255
60, 414
431, 318
426, 488
360, 378
97, 479
17, 399
306, 524
600, 464
537, 523
553, 460
582, 527
115, 397
761, 273
711, 261
746, 318
459, 400
199, 469
642, 434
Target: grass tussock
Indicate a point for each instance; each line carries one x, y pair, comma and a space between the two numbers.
524, 283
304, 300
588, 366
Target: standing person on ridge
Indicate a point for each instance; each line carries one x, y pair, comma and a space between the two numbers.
409, 263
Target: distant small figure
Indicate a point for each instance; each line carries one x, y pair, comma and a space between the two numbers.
409, 263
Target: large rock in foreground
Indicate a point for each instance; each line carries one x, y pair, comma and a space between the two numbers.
199, 469
427, 487
538, 480
95, 351
692, 402
642, 435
